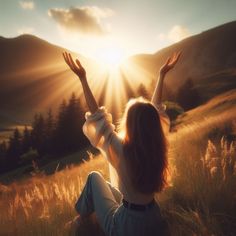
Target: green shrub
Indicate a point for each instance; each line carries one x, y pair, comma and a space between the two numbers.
29, 156
173, 110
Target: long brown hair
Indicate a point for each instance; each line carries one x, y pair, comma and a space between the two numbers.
145, 147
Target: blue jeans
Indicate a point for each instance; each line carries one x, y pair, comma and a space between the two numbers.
106, 201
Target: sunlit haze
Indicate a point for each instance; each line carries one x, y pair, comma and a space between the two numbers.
111, 57
92, 28
109, 32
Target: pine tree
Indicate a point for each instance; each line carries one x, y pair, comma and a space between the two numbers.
50, 124
75, 116
3, 149
142, 91
60, 129
62, 114
49, 131
38, 133
69, 136
74, 122
14, 151
26, 140
3, 154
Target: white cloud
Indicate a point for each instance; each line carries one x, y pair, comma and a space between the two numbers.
85, 20
161, 36
26, 30
175, 34
27, 5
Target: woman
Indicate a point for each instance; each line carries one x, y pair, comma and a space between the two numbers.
139, 158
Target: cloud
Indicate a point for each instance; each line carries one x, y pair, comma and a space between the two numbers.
27, 5
175, 34
85, 20
161, 36
26, 30
178, 33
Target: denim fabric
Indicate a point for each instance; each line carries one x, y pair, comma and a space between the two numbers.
106, 201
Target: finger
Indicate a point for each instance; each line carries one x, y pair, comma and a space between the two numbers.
168, 61
174, 56
66, 58
175, 60
72, 62
179, 54
68, 61
177, 57
78, 63
63, 54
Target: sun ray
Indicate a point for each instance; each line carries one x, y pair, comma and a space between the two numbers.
62, 90
41, 69
40, 96
102, 91
136, 73
112, 85
130, 91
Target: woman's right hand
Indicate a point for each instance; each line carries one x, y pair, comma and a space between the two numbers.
77, 69
170, 63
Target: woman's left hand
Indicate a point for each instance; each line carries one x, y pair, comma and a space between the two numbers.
77, 68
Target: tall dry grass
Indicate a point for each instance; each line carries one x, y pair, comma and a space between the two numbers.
202, 197
42, 205
200, 200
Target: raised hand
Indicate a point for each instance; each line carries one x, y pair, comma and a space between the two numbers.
77, 68
81, 73
170, 63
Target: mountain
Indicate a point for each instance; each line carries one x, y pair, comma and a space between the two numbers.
207, 66
24, 52
34, 77
32, 73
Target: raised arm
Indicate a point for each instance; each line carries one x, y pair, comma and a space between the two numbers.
157, 95
170, 63
78, 69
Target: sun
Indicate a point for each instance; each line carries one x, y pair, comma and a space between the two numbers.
112, 57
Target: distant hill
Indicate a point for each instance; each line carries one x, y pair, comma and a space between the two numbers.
221, 108
32, 72
34, 77
25, 51
208, 61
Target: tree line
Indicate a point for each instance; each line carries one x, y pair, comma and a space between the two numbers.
54, 135
49, 134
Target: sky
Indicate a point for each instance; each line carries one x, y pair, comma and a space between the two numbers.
97, 28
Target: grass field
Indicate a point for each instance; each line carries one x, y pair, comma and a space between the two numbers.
42, 205
200, 198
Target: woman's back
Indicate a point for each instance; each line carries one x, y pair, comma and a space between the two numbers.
139, 160
100, 131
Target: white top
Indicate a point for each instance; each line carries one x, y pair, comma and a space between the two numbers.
100, 131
